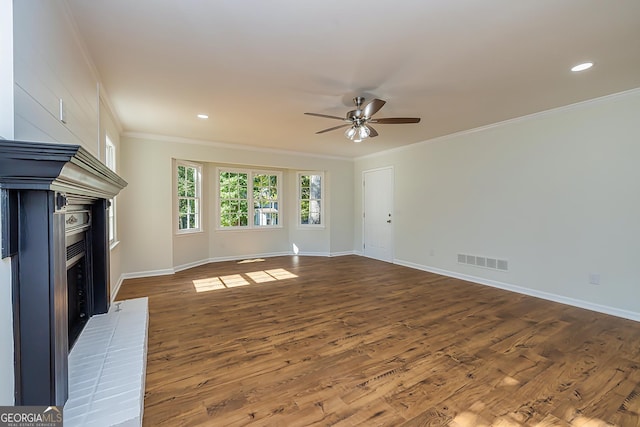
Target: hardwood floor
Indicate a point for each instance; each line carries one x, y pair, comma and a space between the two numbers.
310, 341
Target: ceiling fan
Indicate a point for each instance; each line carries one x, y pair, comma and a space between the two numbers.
359, 120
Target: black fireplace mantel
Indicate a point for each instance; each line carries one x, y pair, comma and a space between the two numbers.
56, 167
40, 186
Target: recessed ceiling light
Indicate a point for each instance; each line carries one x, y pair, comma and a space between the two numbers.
582, 67
203, 116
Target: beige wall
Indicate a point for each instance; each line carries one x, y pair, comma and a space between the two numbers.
555, 194
150, 244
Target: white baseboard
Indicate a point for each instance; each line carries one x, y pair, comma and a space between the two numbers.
613, 311
191, 265
343, 253
139, 274
253, 256
249, 256
302, 253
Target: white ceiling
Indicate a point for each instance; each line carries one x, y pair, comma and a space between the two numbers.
256, 66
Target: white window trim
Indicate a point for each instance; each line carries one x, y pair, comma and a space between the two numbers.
110, 162
250, 174
176, 211
322, 200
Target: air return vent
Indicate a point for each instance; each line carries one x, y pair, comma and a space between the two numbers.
503, 265
484, 262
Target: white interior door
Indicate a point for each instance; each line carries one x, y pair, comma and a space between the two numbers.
378, 214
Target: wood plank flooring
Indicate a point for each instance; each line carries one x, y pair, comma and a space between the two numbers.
311, 341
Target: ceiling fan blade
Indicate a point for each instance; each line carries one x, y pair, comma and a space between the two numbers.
325, 116
372, 131
397, 120
373, 107
333, 128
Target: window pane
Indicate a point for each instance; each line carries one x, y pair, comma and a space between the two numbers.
252, 197
304, 212
233, 196
265, 199
224, 188
188, 184
233, 205
243, 207
181, 180
305, 193
191, 182
316, 190
233, 188
314, 212
310, 199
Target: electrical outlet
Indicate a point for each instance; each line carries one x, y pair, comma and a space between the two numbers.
594, 278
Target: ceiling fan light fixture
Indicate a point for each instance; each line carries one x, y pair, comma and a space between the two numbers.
357, 120
357, 133
351, 132
364, 132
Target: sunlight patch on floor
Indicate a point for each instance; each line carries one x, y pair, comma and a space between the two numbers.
235, 280
261, 276
473, 418
281, 274
249, 261
208, 284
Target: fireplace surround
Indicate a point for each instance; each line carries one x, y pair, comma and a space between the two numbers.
54, 200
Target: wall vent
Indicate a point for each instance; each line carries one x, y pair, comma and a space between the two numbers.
484, 262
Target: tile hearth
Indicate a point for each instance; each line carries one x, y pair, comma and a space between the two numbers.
107, 368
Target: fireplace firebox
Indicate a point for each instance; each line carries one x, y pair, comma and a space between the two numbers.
54, 200
79, 268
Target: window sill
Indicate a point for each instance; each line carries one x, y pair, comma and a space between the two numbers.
189, 232
245, 230
311, 227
